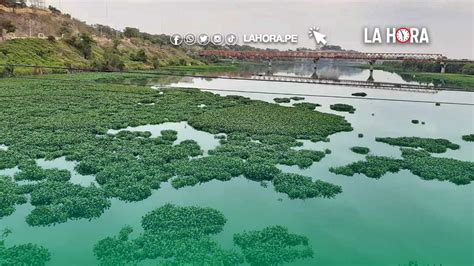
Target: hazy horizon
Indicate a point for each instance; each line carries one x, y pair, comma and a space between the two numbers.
450, 23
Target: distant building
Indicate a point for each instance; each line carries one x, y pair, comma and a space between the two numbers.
36, 3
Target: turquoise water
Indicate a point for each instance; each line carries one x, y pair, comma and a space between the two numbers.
390, 221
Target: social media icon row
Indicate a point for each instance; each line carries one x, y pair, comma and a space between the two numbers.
204, 39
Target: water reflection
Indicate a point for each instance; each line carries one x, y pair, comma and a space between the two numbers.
323, 69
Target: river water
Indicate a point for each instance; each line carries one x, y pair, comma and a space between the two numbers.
391, 221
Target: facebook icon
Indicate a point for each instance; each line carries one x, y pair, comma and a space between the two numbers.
176, 39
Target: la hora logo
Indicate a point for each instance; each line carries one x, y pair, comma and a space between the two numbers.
400, 35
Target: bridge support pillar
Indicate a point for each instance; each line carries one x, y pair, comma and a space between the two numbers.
371, 64
371, 76
371, 69
443, 67
269, 70
315, 63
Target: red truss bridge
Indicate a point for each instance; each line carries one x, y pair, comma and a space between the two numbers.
315, 55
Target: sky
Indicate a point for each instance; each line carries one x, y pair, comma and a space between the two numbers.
450, 24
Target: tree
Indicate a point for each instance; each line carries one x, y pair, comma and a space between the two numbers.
111, 62
131, 32
140, 56
85, 45
65, 29
156, 62
54, 10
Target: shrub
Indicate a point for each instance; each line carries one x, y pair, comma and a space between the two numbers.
131, 32
139, 56
8, 71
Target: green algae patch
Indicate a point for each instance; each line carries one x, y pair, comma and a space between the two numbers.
24, 254
469, 137
35, 173
206, 169
73, 121
57, 202
360, 150
373, 166
359, 94
302, 187
175, 235
297, 98
428, 144
11, 195
273, 245
265, 119
422, 164
418, 162
341, 107
309, 106
282, 100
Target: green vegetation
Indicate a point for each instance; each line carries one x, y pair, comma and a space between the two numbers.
73, 119
265, 119
175, 235
56, 202
359, 94
360, 150
374, 167
272, 246
302, 187
206, 169
10, 195
340, 107
26, 254
415, 121
297, 98
35, 173
282, 100
469, 137
420, 163
310, 106
73, 43
360, 135
428, 144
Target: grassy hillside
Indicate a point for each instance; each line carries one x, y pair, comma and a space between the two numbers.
63, 46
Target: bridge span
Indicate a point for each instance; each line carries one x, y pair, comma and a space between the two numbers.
371, 58
345, 55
